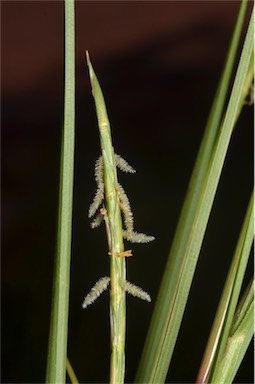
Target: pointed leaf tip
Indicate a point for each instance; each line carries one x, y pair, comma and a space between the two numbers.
87, 57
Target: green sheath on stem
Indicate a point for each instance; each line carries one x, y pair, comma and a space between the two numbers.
117, 264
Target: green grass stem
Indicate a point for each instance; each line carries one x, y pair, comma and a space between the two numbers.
191, 228
115, 240
57, 350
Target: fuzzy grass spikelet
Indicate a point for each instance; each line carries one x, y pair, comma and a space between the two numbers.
125, 208
128, 233
96, 291
99, 196
134, 290
97, 221
123, 164
135, 237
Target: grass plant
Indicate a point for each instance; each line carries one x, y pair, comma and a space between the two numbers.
233, 326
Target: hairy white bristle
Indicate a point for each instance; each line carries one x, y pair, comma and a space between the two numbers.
96, 291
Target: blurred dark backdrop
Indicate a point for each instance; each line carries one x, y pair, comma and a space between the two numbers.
158, 64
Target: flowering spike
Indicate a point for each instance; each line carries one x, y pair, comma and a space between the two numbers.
123, 164
99, 170
134, 290
125, 208
128, 233
96, 291
98, 199
135, 237
97, 221
99, 196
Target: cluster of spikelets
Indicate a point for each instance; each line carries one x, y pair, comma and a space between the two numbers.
102, 284
128, 233
128, 219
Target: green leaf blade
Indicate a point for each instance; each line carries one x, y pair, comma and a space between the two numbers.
57, 350
237, 342
190, 232
225, 313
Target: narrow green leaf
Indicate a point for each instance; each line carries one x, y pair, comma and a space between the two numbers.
248, 85
227, 306
238, 340
57, 350
186, 246
71, 372
242, 308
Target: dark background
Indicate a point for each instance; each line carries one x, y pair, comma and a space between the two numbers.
159, 64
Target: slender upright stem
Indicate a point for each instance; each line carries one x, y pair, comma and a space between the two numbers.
117, 264
57, 351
